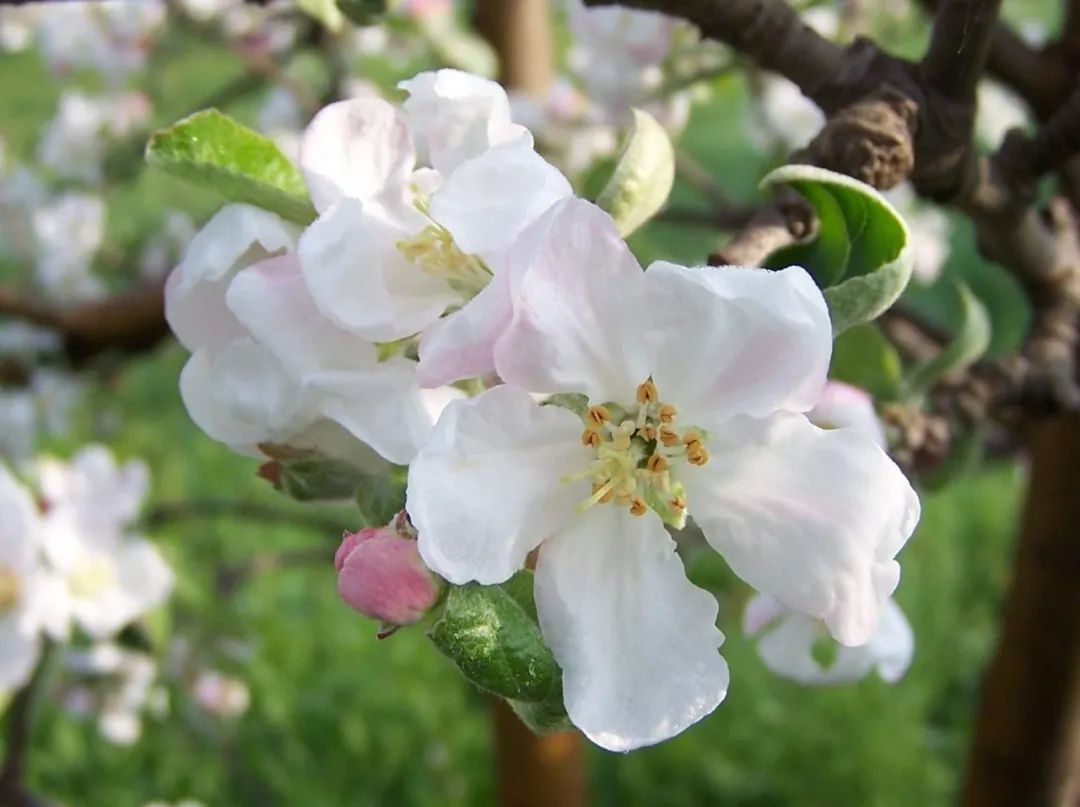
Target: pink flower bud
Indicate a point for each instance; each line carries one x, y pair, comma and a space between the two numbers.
381, 575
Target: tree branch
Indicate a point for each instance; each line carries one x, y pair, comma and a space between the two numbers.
17, 742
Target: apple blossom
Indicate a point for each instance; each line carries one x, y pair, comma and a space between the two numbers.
221, 695
930, 229
267, 367
845, 406
998, 110
787, 641
68, 231
74, 143
381, 575
110, 575
698, 380
396, 247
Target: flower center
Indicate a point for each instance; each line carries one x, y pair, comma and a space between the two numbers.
93, 575
9, 588
637, 455
434, 251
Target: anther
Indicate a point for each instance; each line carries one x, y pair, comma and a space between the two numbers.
668, 436
591, 438
647, 432
690, 438
657, 464
598, 414
667, 413
698, 455
638, 506
678, 503
605, 495
646, 392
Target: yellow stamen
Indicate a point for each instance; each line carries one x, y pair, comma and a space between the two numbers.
699, 456
648, 433
606, 492
646, 392
638, 506
678, 503
591, 438
9, 588
598, 414
668, 436
667, 413
657, 464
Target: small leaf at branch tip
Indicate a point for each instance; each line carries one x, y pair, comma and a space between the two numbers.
643, 177
861, 255
211, 149
971, 341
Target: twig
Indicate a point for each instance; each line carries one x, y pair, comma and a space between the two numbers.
19, 719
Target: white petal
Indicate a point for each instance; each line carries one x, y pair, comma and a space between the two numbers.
842, 405
239, 395
456, 115
236, 236
462, 343
734, 341
271, 300
636, 640
380, 406
893, 645
356, 148
578, 309
359, 278
486, 488
142, 581
18, 654
488, 200
19, 524
812, 517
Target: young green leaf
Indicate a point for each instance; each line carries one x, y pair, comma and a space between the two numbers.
213, 150
967, 346
863, 357
495, 642
643, 176
860, 256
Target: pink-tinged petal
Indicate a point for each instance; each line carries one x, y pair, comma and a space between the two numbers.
360, 279
358, 149
732, 341
271, 300
844, 406
488, 486
812, 517
490, 199
636, 640
237, 236
462, 344
578, 309
456, 115
239, 395
384, 578
381, 406
893, 645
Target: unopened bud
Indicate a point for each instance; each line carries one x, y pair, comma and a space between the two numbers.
381, 575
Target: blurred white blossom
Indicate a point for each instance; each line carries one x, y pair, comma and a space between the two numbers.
999, 109
68, 231
75, 141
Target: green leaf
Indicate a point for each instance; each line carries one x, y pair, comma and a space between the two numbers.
362, 12
325, 12
860, 255
320, 478
863, 357
213, 150
457, 46
380, 497
546, 716
968, 345
495, 642
643, 176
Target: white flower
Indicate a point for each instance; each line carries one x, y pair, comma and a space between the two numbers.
783, 117
21, 194
799, 647
221, 695
28, 592
396, 247
159, 254
267, 366
73, 144
68, 231
18, 424
697, 380
110, 575
618, 54
117, 685
110, 36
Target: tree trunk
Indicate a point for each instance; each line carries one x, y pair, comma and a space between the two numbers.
534, 771
1025, 742
520, 32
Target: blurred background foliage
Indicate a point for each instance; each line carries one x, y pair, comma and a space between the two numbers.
339, 717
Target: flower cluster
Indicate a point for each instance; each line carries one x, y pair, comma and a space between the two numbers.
68, 556
610, 403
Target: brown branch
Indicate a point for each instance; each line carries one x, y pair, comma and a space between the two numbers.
520, 33
781, 223
127, 322
20, 714
959, 44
